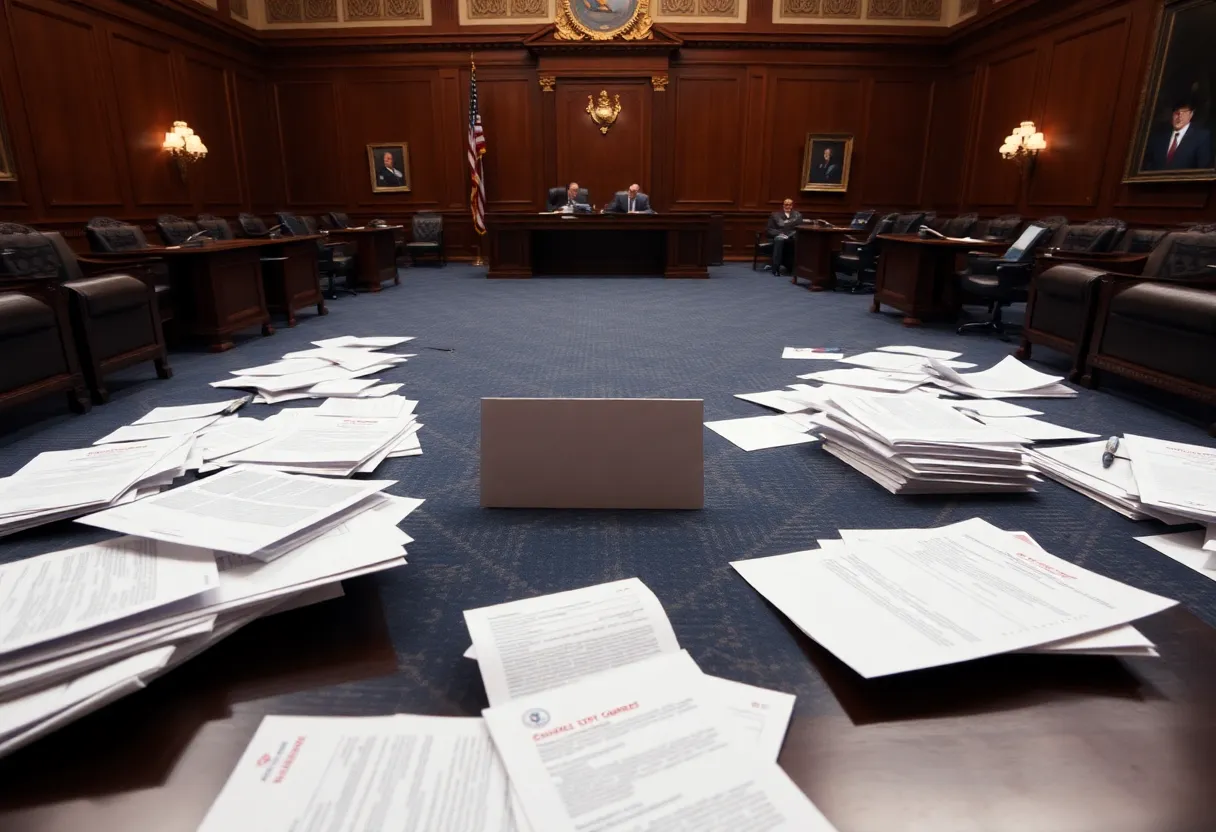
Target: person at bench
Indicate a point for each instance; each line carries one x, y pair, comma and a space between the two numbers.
565, 201
632, 201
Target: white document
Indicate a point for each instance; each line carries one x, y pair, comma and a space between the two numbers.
231, 437
760, 716
320, 442
920, 420
868, 379
54, 595
991, 408
156, 430
1184, 547
1174, 476
1009, 375
897, 362
343, 387
641, 748
366, 341
774, 400
924, 352
540, 643
388, 407
755, 433
812, 353
381, 390
187, 411
241, 510
355, 774
82, 477
1034, 430
1209, 541
284, 367
942, 596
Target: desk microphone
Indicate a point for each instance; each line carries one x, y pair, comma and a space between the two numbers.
926, 232
197, 235
274, 230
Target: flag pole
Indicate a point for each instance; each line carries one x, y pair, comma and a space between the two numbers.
478, 260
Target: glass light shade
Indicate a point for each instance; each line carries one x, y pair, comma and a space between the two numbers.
180, 128
173, 142
1036, 142
194, 144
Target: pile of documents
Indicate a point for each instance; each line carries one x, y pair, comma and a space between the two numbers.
334, 367
919, 445
1008, 379
891, 601
597, 720
84, 626
59, 485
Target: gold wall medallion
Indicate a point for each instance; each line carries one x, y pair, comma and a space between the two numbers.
604, 112
659, 82
547, 82
603, 20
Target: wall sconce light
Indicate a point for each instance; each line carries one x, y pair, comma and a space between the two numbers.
1023, 143
184, 146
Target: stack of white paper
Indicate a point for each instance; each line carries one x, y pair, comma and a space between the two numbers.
1174, 477
919, 445
893, 601
79, 628
59, 485
1008, 379
342, 366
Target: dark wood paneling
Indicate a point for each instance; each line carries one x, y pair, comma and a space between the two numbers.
1006, 99
1080, 92
603, 162
60, 67
206, 100
260, 143
946, 168
797, 105
145, 117
708, 125
398, 109
510, 116
310, 144
893, 152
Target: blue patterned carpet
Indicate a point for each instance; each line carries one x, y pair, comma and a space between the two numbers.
622, 337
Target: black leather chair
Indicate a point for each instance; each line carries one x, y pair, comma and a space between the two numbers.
115, 319
557, 198
1141, 240
35, 331
175, 230
427, 239
961, 226
335, 260
1087, 237
253, 226
110, 236
338, 219
218, 226
908, 223
1160, 328
1006, 228
857, 261
1001, 281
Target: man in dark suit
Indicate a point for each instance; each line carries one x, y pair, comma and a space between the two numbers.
565, 202
632, 201
1186, 146
826, 172
781, 225
387, 175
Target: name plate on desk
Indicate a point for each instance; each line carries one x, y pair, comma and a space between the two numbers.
592, 453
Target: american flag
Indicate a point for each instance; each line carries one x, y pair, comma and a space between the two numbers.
477, 149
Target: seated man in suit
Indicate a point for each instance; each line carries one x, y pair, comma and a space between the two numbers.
632, 201
1186, 146
781, 225
574, 195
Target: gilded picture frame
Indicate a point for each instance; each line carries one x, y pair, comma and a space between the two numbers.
8, 172
1176, 119
826, 161
391, 175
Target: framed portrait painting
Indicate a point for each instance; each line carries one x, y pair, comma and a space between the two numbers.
389, 166
826, 161
1173, 137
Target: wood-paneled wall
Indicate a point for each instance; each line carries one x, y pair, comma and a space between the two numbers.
1077, 69
89, 91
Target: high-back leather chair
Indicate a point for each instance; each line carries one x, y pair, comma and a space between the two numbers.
218, 226
1141, 240
1003, 280
334, 260
115, 317
857, 261
338, 219
252, 225
427, 238
1088, 237
1005, 228
175, 230
908, 223
961, 226
292, 225
106, 234
35, 332
557, 198
1159, 328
